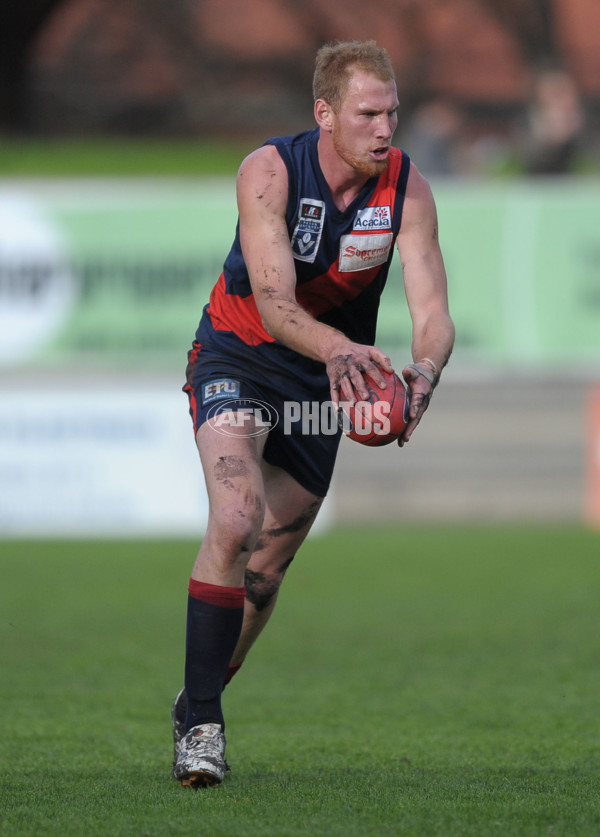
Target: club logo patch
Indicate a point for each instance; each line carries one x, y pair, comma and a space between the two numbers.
309, 228
222, 388
360, 252
374, 218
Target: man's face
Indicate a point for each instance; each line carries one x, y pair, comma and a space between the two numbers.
365, 123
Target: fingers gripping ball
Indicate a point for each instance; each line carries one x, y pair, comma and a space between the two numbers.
382, 418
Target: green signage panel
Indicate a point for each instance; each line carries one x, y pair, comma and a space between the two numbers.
117, 273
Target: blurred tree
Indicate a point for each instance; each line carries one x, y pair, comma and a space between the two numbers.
21, 23
532, 25
151, 67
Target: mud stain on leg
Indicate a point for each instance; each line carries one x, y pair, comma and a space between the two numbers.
261, 588
230, 466
304, 519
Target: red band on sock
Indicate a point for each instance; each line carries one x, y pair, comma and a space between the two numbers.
231, 597
232, 671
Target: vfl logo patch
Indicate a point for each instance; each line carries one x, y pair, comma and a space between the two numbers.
360, 252
216, 390
373, 218
309, 228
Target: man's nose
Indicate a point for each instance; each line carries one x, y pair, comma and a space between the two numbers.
385, 128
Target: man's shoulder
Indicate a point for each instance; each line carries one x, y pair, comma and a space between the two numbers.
285, 156
284, 149
300, 139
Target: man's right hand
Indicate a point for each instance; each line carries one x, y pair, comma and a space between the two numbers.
347, 367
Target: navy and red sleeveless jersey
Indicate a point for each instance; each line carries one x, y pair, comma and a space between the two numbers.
342, 261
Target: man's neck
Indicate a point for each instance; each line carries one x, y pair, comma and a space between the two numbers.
343, 181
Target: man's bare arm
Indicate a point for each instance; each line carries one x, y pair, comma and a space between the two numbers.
426, 293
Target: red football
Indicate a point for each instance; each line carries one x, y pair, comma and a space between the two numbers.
382, 418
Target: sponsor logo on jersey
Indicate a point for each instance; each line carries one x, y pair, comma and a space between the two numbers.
222, 388
374, 218
360, 252
309, 228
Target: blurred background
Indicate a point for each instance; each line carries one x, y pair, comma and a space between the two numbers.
122, 123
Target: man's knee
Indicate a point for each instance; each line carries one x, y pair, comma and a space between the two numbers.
237, 507
236, 526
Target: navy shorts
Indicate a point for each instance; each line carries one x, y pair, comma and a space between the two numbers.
296, 415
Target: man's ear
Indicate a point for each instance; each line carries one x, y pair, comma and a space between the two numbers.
324, 115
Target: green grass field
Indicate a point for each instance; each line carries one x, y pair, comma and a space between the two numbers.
129, 158
412, 682
105, 156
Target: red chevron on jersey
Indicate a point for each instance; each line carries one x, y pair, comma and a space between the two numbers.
239, 314
333, 289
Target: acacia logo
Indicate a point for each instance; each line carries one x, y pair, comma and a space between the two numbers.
374, 217
248, 415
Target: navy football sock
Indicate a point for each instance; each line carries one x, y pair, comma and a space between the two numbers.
214, 624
